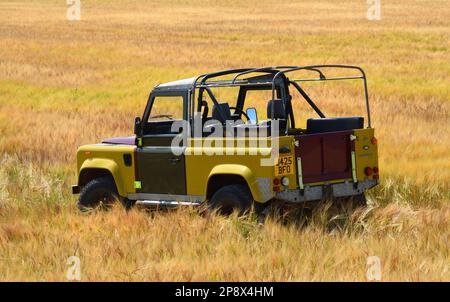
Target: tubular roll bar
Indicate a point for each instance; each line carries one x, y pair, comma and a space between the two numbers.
273, 70
206, 76
363, 76
268, 69
201, 80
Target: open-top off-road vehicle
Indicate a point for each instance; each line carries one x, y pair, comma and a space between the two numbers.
178, 156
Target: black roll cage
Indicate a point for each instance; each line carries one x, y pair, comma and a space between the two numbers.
279, 72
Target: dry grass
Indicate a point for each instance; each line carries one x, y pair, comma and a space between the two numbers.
40, 229
64, 83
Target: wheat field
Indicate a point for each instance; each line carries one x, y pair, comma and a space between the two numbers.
66, 83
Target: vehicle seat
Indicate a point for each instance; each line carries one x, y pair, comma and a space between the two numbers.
279, 113
321, 125
225, 108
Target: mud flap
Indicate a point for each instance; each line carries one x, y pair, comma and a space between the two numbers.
327, 192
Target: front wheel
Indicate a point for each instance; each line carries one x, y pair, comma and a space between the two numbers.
231, 198
98, 193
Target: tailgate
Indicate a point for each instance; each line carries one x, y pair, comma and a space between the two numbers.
325, 156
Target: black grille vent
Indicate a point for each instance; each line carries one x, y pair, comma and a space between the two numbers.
127, 159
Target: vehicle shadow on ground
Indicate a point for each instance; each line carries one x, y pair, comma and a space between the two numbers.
330, 216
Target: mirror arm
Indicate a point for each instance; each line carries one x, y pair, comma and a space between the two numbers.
138, 126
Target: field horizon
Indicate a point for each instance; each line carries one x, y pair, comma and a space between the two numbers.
68, 83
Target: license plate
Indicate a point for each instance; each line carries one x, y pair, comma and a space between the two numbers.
285, 166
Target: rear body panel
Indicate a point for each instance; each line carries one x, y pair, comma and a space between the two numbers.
332, 165
325, 156
366, 152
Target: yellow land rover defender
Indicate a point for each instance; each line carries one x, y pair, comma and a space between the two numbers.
200, 140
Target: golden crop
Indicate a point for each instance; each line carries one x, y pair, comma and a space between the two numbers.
65, 83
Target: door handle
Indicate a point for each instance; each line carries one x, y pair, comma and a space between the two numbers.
174, 160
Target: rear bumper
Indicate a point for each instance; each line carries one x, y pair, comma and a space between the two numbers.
326, 191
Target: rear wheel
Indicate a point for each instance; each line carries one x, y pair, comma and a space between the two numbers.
98, 193
360, 200
231, 198
352, 202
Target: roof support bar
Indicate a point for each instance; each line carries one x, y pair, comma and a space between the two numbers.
273, 69
366, 95
327, 79
221, 73
308, 99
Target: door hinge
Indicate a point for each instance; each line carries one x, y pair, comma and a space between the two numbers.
355, 179
299, 173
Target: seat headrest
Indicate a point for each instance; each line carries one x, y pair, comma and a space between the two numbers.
225, 108
278, 109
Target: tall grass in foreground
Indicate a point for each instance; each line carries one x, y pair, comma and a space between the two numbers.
40, 228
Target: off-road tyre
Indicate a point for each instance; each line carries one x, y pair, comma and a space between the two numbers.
98, 193
352, 202
231, 198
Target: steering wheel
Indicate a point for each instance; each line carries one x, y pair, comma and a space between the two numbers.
241, 112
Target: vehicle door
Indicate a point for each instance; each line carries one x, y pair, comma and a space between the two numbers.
158, 169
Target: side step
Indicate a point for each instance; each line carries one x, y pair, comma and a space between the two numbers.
168, 203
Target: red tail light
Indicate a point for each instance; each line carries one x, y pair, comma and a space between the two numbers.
374, 141
375, 170
276, 184
368, 171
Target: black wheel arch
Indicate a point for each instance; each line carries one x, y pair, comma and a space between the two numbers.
218, 181
88, 174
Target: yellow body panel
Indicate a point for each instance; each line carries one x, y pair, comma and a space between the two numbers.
241, 170
366, 152
200, 168
110, 158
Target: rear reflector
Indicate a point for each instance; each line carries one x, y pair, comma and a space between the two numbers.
276, 182
368, 171
375, 170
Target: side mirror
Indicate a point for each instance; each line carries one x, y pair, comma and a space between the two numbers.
137, 126
252, 115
